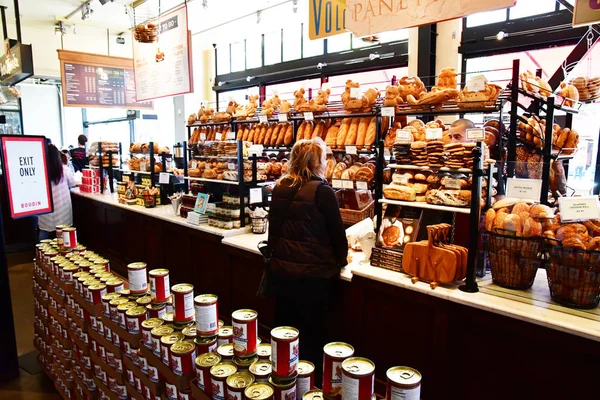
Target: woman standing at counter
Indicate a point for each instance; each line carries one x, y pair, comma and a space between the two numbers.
309, 246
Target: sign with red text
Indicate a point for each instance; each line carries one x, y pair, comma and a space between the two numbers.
586, 12
369, 17
26, 176
164, 68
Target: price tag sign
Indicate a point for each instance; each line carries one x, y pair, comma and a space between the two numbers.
308, 116
337, 183
255, 150
218, 136
404, 136
256, 196
351, 150
231, 166
433, 133
579, 208
477, 134
263, 119
388, 111
194, 164
126, 178
451, 183
524, 188
362, 185
356, 93
203, 136
164, 178
230, 135
476, 83
348, 184
282, 117
328, 151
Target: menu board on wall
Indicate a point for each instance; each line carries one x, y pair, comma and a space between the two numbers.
93, 80
163, 68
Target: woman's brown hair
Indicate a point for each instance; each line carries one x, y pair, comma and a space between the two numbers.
54, 164
307, 160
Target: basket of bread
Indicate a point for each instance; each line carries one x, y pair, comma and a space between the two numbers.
515, 243
588, 88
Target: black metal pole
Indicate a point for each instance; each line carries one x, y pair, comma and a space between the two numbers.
547, 151
110, 172
18, 20
379, 178
100, 167
470, 285
4, 28
512, 137
241, 191
151, 163
185, 166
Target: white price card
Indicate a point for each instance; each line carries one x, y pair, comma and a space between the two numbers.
282, 117
309, 116
579, 208
337, 183
476, 134
263, 119
388, 111
164, 178
362, 185
194, 164
476, 83
230, 135
203, 136
433, 133
255, 150
404, 136
351, 150
356, 93
451, 183
231, 166
387, 152
348, 184
524, 188
256, 196
218, 136
328, 151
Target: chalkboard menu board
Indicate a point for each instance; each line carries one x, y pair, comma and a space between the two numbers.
94, 80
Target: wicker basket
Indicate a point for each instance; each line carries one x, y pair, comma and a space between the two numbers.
259, 225
387, 259
514, 261
351, 217
574, 277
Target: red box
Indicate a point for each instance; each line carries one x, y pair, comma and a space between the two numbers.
91, 173
86, 180
89, 189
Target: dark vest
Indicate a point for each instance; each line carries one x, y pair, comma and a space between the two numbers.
303, 249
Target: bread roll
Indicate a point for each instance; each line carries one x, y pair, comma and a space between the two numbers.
371, 132
338, 170
331, 163
330, 139
308, 129
520, 207
300, 133
361, 137
512, 223
288, 138
531, 227
343, 132
319, 129
349, 174
352, 132
490, 215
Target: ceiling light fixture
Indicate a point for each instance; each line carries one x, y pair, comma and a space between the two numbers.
374, 56
205, 4
295, 6
103, 2
501, 35
86, 11
249, 78
221, 83
258, 16
60, 29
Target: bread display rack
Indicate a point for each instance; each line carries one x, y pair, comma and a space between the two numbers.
109, 167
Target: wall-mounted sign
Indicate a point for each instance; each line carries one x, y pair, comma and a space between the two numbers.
164, 68
369, 17
94, 80
586, 12
25, 175
16, 64
326, 18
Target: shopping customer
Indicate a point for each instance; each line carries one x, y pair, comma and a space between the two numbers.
78, 154
60, 181
307, 236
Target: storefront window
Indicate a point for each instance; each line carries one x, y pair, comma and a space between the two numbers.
254, 51
392, 36
292, 43
113, 132
223, 59
529, 8
372, 79
311, 48
484, 18
272, 47
341, 42
357, 43
285, 91
238, 56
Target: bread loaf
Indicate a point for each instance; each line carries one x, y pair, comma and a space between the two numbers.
264, 134
318, 131
240, 134
300, 132
361, 137
338, 170
371, 132
247, 132
308, 129
288, 138
531, 227
272, 140
398, 192
331, 138
490, 215
352, 132
331, 163
343, 132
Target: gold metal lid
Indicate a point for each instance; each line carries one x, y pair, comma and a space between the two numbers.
135, 311
305, 368
285, 333
182, 347
97, 286
261, 368
338, 349
244, 362
117, 301
313, 395
125, 306
244, 315
358, 366
168, 316
223, 370
190, 332
208, 360
225, 350
264, 350
282, 384
405, 376
205, 340
205, 298
240, 380
259, 391
136, 265
182, 288
172, 338
143, 301
226, 331
159, 272
162, 330
152, 323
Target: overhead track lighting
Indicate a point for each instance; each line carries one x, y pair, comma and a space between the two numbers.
103, 2
86, 11
60, 29
501, 35
205, 4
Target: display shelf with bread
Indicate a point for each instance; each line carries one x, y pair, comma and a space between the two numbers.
105, 156
419, 204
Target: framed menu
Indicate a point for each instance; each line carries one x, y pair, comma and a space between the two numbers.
94, 80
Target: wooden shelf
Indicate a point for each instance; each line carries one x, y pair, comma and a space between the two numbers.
223, 182
420, 204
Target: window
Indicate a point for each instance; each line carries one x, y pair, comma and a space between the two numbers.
529, 8
373, 79
484, 18
113, 132
337, 43
254, 51
393, 36
238, 62
357, 43
223, 59
285, 91
311, 48
272, 47
292, 43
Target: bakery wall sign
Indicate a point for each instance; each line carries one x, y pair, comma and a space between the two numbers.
369, 17
163, 60
326, 18
586, 12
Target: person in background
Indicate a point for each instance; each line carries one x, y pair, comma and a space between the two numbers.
61, 196
64, 157
309, 246
78, 154
458, 130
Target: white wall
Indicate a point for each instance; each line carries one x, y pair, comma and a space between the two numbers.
40, 116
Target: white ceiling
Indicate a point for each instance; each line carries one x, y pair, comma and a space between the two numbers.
112, 15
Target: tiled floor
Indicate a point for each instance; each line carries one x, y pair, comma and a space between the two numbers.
27, 386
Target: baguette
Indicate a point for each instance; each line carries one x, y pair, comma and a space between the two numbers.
246, 133
272, 141
308, 130
352, 132
240, 134
289, 135
363, 126
343, 132
267, 138
332, 133
301, 129
371, 132
319, 129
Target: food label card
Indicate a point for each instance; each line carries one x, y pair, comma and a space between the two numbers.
282, 117
404, 136
579, 208
399, 226
433, 133
476, 134
524, 188
388, 111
